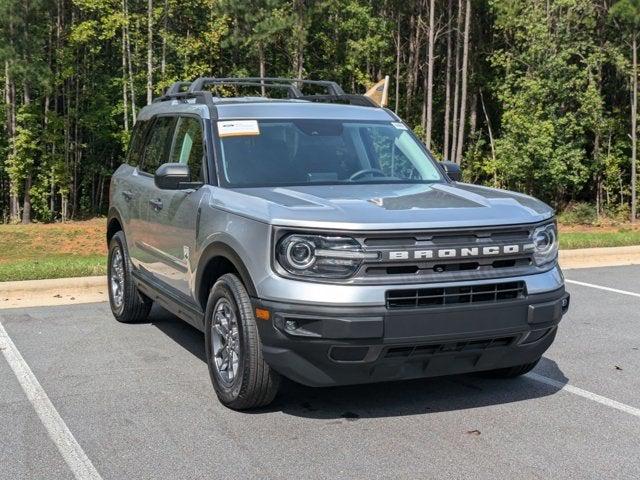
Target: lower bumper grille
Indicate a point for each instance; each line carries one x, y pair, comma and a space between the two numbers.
455, 347
444, 296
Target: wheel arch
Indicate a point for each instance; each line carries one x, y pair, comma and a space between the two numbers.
217, 259
114, 223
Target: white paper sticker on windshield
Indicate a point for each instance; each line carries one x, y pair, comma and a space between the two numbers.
399, 125
238, 128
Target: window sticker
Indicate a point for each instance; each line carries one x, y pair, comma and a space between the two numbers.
238, 128
399, 125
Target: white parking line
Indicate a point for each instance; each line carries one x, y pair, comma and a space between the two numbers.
58, 431
585, 394
600, 287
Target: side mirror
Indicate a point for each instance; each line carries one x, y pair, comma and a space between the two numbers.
452, 170
174, 176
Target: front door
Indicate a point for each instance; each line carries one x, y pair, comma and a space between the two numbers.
155, 152
173, 214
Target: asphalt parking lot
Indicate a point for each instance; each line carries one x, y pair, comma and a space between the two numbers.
137, 402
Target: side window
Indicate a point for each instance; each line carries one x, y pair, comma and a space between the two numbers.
156, 149
134, 154
188, 146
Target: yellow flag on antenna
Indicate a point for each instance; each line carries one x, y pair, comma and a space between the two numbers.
379, 93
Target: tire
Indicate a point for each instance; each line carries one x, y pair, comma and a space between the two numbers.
511, 372
127, 303
247, 381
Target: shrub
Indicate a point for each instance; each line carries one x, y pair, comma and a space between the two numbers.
580, 213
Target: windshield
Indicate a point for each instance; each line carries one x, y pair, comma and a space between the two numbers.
300, 152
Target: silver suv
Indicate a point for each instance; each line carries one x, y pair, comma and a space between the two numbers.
314, 237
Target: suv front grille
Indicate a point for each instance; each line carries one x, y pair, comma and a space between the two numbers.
446, 296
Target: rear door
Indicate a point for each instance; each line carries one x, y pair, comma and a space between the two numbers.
173, 214
155, 153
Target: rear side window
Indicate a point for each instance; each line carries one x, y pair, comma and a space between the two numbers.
134, 155
187, 146
156, 149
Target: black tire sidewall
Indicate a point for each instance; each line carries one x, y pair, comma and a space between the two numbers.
116, 243
135, 305
227, 392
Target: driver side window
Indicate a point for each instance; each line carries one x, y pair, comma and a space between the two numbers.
188, 146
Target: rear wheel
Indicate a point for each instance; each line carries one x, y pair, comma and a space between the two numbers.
240, 376
511, 372
127, 303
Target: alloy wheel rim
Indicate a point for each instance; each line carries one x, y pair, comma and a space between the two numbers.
225, 341
117, 278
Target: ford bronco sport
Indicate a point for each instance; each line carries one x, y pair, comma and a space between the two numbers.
314, 237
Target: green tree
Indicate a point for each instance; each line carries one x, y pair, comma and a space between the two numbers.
626, 14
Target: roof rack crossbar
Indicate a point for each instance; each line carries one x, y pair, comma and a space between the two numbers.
332, 87
176, 87
201, 97
196, 89
200, 83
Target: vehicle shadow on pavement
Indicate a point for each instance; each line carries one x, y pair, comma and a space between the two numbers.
390, 399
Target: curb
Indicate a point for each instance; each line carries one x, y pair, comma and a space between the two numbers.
600, 257
41, 286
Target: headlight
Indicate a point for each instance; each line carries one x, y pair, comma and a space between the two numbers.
321, 256
545, 244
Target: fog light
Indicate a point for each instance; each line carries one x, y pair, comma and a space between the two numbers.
291, 325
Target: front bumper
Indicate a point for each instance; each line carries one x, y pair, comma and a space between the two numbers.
339, 345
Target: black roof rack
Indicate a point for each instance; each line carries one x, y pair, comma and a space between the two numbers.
334, 94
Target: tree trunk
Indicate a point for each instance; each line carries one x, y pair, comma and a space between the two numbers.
398, 53
463, 94
26, 205
634, 120
125, 99
299, 39
163, 63
149, 52
9, 93
430, 63
491, 141
456, 88
262, 68
447, 88
26, 202
132, 91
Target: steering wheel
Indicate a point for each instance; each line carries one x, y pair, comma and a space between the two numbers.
365, 171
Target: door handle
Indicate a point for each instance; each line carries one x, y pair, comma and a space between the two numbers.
127, 194
156, 204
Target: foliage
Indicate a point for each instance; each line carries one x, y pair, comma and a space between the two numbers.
580, 213
553, 77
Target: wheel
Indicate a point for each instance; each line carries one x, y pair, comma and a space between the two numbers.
127, 303
240, 376
511, 372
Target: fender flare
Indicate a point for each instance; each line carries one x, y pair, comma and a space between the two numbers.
221, 249
113, 214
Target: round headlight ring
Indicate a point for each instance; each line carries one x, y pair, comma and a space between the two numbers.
544, 240
300, 254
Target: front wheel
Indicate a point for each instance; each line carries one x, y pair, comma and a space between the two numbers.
240, 376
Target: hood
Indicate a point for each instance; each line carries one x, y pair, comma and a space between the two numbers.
383, 207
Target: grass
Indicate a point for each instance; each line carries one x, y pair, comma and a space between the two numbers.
594, 238
56, 266
37, 251
78, 249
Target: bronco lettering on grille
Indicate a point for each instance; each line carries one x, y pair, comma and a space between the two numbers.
463, 252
